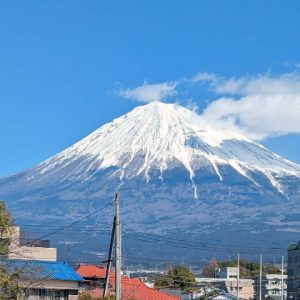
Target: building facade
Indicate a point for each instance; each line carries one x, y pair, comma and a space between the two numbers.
228, 272
293, 287
271, 286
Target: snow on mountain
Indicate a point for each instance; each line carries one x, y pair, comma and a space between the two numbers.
162, 158
158, 136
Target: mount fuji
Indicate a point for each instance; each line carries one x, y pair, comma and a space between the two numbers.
175, 173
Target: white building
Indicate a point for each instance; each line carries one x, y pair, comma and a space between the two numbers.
271, 286
228, 272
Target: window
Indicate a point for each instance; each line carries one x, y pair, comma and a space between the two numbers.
274, 292
49, 294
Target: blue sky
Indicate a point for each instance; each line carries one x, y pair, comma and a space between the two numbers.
67, 67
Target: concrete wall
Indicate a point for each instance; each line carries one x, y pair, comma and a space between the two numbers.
293, 290
26, 252
34, 253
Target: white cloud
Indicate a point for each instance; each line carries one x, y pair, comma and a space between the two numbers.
150, 92
260, 106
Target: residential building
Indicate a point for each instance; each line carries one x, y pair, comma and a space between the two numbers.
21, 248
271, 286
132, 288
227, 272
46, 279
228, 285
293, 271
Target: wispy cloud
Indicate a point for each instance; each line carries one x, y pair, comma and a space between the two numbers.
192, 105
203, 77
150, 92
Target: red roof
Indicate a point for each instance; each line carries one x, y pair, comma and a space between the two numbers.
132, 288
92, 271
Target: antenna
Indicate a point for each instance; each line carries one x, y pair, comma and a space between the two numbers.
68, 244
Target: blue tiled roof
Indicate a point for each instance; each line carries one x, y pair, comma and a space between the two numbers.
54, 270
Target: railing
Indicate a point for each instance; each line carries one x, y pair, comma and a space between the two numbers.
35, 243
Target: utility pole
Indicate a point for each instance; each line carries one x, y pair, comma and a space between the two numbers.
260, 276
109, 260
238, 277
282, 282
118, 249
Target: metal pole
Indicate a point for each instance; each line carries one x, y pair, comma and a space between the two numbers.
238, 277
68, 250
260, 277
118, 249
282, 290
109, 260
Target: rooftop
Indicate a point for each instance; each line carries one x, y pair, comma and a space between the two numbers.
53, 270
131, 287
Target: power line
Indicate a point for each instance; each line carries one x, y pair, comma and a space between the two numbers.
73, 223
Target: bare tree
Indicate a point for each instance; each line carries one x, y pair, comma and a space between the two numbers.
210, 269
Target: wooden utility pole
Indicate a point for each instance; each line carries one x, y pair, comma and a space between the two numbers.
238, 277
282, 281
109, 260
118, 249
260, 278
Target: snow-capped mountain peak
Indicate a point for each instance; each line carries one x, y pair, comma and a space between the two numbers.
159, 136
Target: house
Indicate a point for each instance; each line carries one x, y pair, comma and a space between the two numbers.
131, 288
293, 271
271, 286
45, 279
93, 276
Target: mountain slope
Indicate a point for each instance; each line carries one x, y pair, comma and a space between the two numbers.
174, 173
158, 135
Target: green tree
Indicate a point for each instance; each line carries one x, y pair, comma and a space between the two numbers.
183, 278
6, 222
9, 281
180, 277
249, 269
164, 281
